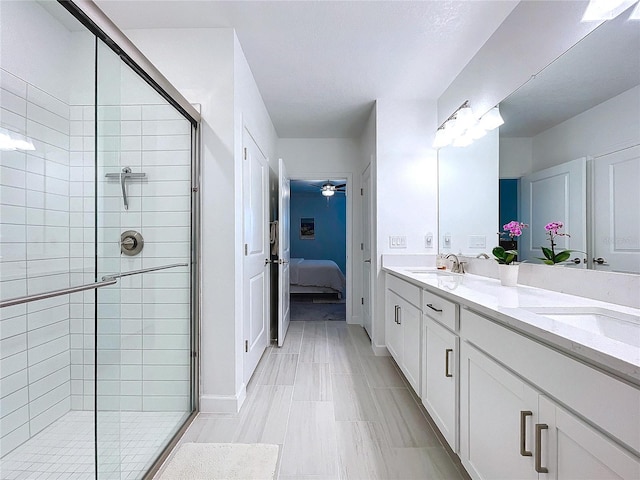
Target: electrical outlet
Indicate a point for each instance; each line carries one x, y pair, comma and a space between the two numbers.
477, 241
397, 241
428, 240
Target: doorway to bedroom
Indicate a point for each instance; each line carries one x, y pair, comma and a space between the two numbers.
318, 240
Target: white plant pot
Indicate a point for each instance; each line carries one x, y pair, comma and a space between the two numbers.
508, 274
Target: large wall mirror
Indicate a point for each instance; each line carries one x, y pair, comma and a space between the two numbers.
569, 151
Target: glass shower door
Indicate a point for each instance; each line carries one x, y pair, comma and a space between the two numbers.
143, 236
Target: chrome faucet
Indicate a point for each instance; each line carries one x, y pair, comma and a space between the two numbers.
482, 255
458, 266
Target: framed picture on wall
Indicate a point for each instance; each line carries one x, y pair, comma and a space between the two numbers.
307, 228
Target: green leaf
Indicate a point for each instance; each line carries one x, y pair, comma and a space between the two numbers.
499, 253
548, 262
547, 253
563, 256
509, 258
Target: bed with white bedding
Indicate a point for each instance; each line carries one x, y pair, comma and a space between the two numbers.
316, 276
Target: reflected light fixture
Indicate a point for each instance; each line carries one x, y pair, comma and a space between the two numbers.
599, 10
14, 141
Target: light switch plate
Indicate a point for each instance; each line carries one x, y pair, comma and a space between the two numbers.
446, 241
428, 240
397, 241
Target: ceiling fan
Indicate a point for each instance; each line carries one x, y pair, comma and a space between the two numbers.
329, 189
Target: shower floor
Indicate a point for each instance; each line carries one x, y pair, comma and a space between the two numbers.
128, 443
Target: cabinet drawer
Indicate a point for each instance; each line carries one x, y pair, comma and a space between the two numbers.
439, 309
408, 291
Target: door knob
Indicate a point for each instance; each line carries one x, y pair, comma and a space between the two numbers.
577, 260
600, 261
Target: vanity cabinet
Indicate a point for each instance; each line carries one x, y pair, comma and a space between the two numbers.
511, 428
497, 414
403, 327
440, 366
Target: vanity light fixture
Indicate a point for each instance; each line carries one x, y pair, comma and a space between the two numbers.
462, 127
492, 119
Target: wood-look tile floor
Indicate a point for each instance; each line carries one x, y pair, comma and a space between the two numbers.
336, 411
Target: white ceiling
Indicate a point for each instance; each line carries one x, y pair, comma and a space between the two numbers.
321, 64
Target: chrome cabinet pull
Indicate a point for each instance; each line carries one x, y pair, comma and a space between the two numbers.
430, 305
399, 315
539, 428
446, 362
395, 315
523, 433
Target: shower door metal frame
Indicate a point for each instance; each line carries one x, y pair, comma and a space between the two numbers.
90, 15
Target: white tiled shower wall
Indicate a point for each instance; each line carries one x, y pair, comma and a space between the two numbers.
47, 242
34, 250
143, 324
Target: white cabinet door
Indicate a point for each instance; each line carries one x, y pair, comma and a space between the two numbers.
497, 414
439, 393
571, 449
393, 329
410, 319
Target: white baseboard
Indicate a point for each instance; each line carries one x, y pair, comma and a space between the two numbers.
354, 320
223, 403
380, 350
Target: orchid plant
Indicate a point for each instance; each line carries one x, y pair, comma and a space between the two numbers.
513, 229
550, 255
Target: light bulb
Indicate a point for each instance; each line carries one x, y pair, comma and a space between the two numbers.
492, 119
441, 139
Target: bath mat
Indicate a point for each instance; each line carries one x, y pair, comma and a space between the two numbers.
222, 461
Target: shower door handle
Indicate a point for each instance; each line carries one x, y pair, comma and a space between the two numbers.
56, 293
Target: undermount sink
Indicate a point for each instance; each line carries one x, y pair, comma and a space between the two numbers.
617, 326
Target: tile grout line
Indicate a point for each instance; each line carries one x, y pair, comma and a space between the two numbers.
286, 428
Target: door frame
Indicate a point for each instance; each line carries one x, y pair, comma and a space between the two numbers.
351, 192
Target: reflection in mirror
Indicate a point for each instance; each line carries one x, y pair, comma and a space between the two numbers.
570, 151
468, 196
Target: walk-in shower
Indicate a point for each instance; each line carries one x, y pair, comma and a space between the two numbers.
98, 199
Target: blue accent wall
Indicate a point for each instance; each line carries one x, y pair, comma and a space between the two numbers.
330, 241
509, 194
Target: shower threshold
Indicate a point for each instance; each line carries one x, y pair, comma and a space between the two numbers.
128, 444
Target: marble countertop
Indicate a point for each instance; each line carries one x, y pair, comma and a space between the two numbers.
604, 334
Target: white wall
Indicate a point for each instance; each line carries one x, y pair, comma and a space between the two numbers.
406, 184
324, 158
516, 157
605, 128
207, 67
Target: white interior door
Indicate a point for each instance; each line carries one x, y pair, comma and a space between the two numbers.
556, 194
284, 252
616, 205
256, 250
366, 250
